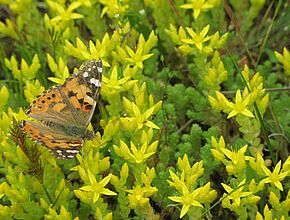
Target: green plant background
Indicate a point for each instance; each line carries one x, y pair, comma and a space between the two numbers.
193, 121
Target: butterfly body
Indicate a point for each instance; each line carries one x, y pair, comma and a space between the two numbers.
70, 130
64, 112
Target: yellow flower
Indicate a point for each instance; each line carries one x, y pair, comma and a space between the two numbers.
197, 6
233, 197
187, 199
65, 14
197, 38
134, 154
113, 8
98, 188
219, 103
138, 119
177, 182
275, 177
237, 158
137, 58
113, 82
240, 106
138, 196
113, 86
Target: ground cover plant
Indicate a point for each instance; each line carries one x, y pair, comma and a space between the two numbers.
193, 118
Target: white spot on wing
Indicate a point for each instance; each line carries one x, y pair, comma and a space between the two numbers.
94, 66
72, 151
96, 82
86, 74
70, 156
100, 69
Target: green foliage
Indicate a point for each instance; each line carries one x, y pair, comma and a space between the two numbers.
193, 117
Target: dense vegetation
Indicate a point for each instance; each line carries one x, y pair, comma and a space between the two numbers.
193, 120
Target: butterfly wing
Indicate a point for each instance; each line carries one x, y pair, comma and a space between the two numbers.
73, 102
69, 105
61, 145
81, 94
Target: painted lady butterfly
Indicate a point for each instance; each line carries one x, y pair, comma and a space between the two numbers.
64, 112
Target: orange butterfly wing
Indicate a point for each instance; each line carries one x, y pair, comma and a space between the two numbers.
64, 111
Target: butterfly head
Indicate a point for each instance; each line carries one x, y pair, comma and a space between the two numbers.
89, 135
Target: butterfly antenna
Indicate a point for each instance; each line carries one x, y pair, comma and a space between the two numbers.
102, 109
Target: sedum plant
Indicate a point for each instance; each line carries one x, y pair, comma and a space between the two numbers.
192, 120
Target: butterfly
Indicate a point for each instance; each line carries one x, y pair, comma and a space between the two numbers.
64, 112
